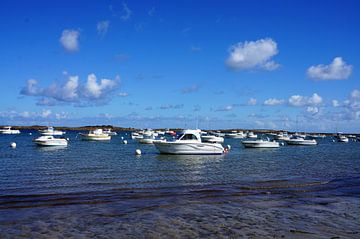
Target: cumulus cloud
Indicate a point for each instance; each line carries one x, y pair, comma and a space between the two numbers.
273, 102
253, 54
102, 27
336, 70
312, 110
70, 40
298, 100
73, 91
126, 12
252, 101
355, 94
335, 103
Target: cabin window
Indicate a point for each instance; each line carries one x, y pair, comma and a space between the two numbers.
189, 137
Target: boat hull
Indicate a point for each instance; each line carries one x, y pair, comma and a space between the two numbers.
258, 144
51, 142
302, 142
95, 137
189, 148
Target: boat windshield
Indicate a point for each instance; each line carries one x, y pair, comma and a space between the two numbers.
187, 137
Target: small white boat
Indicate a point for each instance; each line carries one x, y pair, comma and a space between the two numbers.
342, 139
235, 135
212, 139
49, 140
251, 135
51, 131
96, 135
260, 143
301, 141
282, 136
147, 137
8, 130
188, 142
109, 132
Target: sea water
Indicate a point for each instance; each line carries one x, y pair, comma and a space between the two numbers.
103, 190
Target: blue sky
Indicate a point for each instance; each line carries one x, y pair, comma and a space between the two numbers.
234, 64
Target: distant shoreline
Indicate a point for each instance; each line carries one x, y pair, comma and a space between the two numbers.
116, 128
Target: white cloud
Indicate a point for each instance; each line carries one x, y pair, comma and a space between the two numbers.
72, 91
273, 102
70, 40
355, 94
336, 70
298, 100
312, 110
315, 99
225, 108
253, 54
45, 113
126, 12
335, 103
252, 101
123, 94
102, 27
95, 90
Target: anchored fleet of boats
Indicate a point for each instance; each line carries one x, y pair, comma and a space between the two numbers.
188, 141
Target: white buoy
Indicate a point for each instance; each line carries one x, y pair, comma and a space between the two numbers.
282, 143
124, 141
13, 145
228, 146
138, 152
333, 140
30, 133
122, 137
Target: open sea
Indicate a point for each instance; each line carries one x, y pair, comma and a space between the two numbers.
103, 190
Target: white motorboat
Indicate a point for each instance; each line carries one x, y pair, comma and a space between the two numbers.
51, 131
235, 135
282, 136
260, 143
212, 139
301, 141
49, 140
147, 137
188, 142
342, 139
8, 130
251, 135
96, 135
109, 132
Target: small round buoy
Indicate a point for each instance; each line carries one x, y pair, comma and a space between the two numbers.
30, 133
124, 141
122, 137
333, 140
138, 152
13, 145
282, 143
67, 139
228, 146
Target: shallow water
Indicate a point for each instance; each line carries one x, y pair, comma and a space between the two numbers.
101, 189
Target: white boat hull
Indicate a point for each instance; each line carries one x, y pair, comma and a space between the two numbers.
52, 142
304, 142
145, 141
95, 137
188, 148
260, 144
55, 133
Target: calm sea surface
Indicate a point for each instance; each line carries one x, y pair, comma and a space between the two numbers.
102, 190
